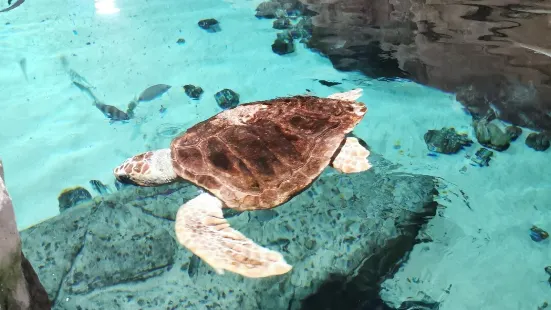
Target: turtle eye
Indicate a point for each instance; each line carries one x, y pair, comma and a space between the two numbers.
125, 179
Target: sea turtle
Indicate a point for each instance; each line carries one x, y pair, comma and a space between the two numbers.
252, 157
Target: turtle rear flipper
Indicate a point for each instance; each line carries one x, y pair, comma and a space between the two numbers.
202, 228
352, 157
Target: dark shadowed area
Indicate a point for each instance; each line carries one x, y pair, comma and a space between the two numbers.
492, 52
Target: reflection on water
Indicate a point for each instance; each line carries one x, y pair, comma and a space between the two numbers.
346, 234
106, 7
488, 52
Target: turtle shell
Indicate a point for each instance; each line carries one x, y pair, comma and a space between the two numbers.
260, 154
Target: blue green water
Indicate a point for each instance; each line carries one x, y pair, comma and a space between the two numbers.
421, 68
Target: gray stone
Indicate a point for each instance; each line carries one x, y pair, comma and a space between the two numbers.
446, 140
538, 141
513, 132
490, 135
71, 197
122, 253
268, 9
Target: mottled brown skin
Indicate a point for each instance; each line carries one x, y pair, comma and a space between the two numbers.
259, 155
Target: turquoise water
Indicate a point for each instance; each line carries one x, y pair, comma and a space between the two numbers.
380, 238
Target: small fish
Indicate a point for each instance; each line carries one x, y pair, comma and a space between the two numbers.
328, 83
397, 145
536, 49
111, 112
170, 130
75, 77
23, 66
533, 11
86, 89
120, 186
339, 44
99, 187
16, 4
153, 92
162, 111
131, 107
495, 110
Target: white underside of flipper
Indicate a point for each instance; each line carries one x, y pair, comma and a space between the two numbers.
351, 95
352, 157
201, 227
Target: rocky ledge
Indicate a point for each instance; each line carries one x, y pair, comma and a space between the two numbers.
347, 231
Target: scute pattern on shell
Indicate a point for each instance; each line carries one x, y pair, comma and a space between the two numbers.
259, 155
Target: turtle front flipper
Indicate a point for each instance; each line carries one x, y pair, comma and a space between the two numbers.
352, 157
151, 168
351, 95
201, 227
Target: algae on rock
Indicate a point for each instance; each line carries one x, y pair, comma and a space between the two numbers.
120, 252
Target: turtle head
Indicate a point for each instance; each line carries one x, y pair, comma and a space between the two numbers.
151, 168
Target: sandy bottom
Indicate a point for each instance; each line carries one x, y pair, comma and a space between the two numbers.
52, 138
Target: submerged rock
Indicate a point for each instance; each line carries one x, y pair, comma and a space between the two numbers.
538, 141
446, 140
210, 25
194, 92
482, 157
71, 197
181, 41
304, 28
121, 252
537, 234
283, 45
268, 9
227, 98
282, 23
490, 135
513, 132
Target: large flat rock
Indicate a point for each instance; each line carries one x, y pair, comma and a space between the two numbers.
119, 251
